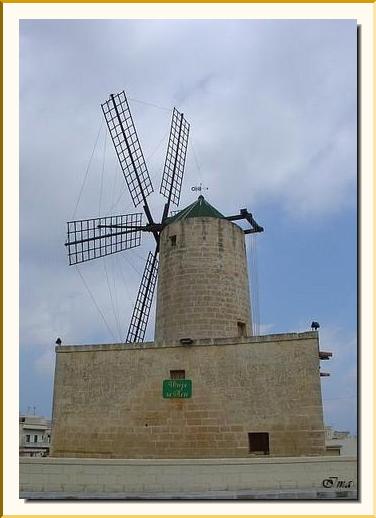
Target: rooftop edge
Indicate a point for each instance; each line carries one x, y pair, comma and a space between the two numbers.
196, 343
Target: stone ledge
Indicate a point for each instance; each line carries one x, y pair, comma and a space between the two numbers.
197, 343
186, 462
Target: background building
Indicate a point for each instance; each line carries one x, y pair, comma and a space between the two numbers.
34, 436
340, 443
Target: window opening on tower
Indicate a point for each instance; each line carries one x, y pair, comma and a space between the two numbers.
241, 329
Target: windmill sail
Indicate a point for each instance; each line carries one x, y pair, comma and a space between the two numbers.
141, 310
93, 238
127, 146
172, 178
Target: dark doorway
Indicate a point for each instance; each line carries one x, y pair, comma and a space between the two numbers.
258, 443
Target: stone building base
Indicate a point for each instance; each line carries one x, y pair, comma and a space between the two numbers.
247, 395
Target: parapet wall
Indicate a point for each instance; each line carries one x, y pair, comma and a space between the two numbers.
304, 477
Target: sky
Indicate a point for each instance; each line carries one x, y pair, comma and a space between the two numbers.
272, 107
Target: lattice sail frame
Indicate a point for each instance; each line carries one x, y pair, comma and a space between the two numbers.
127, 146
97, 237
172, 178
141, 310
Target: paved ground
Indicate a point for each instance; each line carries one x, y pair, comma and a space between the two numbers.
210, 495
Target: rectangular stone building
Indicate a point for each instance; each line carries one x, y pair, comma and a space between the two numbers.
233, 398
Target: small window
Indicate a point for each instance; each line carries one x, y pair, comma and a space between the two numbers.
35, 438
27, 438
258, 443
241, 329
173, 240
177, 375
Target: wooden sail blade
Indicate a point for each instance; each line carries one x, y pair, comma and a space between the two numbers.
90, 239
173, 172
141, 310
127, 146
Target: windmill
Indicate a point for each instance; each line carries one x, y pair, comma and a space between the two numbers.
98, 237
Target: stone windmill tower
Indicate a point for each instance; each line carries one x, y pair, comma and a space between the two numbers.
203, 288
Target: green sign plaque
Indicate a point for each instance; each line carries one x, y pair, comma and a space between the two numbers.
177, 388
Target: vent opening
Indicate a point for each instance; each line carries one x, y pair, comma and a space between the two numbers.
177, 375
258, 443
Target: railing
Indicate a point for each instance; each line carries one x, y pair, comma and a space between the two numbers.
39, 444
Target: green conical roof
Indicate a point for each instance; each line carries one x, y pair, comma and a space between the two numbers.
198, 209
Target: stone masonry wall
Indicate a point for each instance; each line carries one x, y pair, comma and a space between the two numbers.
287, 477
203, 288
108, 399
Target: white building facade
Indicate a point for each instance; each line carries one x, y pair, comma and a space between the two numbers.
34, 436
